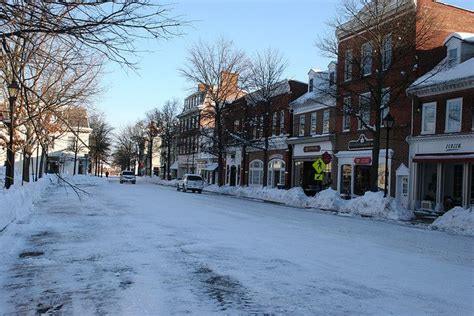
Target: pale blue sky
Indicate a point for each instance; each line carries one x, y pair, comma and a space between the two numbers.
291, 26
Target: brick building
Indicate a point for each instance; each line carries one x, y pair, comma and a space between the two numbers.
372, 77
244, 120
442, 139
313, 131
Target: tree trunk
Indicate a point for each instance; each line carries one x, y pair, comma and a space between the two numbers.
168, 162
75, 161
37, 156
243, 167
42, 163
26, 167
374, 168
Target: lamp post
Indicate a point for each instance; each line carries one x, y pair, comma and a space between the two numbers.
13, 90
388, 122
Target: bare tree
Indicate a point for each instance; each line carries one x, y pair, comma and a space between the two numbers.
265, 82
167, 129
218, 67
375, 43
108, 27
100, 143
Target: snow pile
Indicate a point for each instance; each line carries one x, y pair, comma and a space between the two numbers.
18, 200
158, 180
373, 204
457, 220
293, 197
328, 199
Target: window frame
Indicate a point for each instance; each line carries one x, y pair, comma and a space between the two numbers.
301, 125
348, 65
314, 127
326, 121
365, 58
423, 111
282, 121
386, 64
367, 96
345, 115
446, 122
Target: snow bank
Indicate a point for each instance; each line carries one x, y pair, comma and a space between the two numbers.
456, 220
373, 204
85, 180
328, 199
293, 197
18, 201
158, 180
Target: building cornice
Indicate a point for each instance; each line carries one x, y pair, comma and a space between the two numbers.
442, 87
435, 137
310, 139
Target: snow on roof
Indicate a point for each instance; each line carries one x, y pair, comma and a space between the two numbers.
464, 36
442, 74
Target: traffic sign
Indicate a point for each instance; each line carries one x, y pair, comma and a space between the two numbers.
326, 157
319, 166
318, 177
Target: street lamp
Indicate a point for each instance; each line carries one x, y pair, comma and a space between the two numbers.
13, 90
388, 122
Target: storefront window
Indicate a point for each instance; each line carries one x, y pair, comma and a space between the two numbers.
256, 173
452, 185
346, 179
427, 185
276, 173
361, 181
298, 174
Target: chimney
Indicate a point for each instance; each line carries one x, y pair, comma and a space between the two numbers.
229, 80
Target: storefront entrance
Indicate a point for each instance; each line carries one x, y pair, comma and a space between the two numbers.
304, 174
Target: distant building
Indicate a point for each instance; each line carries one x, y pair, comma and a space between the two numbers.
441, 157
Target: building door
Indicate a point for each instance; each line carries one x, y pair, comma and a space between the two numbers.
233, 174
362, 177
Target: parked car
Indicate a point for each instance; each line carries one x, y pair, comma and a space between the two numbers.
128, 176
193, 182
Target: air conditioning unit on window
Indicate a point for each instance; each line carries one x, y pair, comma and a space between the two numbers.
427, 205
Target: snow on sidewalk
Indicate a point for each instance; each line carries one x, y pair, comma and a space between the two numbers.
17, 202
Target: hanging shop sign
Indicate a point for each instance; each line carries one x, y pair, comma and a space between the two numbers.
363, 161
312, 149
361, 143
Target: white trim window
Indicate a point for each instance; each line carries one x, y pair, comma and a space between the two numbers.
366, 59
428, 118
256, 173
326, 121
301, 125
348, 65
387, 52
313, 123
274, 123
384, 105
453, 115
282, 122
364, 110
346, 118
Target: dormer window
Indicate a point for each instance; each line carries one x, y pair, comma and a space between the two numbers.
311, 85
452, 56
332, 78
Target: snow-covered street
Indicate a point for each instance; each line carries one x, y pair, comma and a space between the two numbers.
147, 249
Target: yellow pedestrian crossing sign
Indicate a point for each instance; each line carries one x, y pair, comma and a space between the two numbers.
318, 177
319, 166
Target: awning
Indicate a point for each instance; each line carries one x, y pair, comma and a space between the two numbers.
175, 165
211, 166
444, 158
